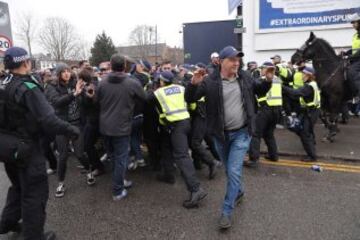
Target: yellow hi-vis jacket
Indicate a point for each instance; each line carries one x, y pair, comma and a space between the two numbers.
355, 43
298, 80
273, 97
316, 102
173, 104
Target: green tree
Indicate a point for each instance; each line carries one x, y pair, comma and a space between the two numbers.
102, 50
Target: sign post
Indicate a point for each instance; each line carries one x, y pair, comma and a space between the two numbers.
5, 29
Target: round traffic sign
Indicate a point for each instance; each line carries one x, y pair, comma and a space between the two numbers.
5, 43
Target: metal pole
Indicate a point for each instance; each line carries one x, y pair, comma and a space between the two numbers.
156, 47
240, 40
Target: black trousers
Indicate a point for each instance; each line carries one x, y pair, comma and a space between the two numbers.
354, 77
91, 136
266, 120
62, 143
175, 148
48, 151
307, 135
198, 132
27, 197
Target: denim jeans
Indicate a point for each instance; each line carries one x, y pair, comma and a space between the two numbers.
118, 151
136, 138
232, 153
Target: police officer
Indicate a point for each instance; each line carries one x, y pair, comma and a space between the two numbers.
354, 69
174, 119
310, 100
198, 133
269, 114
29, 115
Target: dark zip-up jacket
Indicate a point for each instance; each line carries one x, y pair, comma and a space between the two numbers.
117, 95
211, 88
60, 97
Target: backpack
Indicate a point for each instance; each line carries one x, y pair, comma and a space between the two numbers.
13, 148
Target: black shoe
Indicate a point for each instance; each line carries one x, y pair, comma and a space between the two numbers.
17, 228
239, 198
195, 198
49, 236
166, 178
224, 222
273, 159
212, 171
309, 159
251, 163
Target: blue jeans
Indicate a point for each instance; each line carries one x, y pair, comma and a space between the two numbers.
136, 138
232, 153
118, 150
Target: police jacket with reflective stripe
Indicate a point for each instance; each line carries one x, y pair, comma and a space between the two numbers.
37, 116
306, 92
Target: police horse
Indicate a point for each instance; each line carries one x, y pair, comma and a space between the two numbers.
331, 78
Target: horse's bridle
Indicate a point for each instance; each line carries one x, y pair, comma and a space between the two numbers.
303, 48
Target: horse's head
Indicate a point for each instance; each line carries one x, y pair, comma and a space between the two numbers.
306, 52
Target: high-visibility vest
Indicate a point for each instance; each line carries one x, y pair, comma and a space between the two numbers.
316, 102
173, 104
298, 80
193, 106
274, 95
283, 71
355, 43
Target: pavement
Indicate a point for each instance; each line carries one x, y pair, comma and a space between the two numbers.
283, 201
345, 147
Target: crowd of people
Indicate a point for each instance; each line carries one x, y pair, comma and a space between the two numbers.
185, 116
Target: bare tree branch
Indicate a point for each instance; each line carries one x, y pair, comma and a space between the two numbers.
26, 30
143, 36
58, 38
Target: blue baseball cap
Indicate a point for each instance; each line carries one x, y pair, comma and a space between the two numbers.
229, 52
308, 70
167, 76
145, 64
267, 65
15, 55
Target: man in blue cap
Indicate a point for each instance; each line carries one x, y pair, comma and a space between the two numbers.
27, 114
309, 112
230, 109
174, 121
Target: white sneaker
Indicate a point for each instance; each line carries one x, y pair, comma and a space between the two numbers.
141, 163
50, 171
132, 165
127, 183
90, 179
104, 158
121, 196
60, 191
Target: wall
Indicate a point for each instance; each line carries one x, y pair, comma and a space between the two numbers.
259, 46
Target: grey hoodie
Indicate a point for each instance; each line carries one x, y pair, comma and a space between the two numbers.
116, 96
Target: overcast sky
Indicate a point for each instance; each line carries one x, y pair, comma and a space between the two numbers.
119, 17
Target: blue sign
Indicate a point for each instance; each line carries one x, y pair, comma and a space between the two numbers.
283, 14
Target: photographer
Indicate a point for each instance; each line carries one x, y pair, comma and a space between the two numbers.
90, 111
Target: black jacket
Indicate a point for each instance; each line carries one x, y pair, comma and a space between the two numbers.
117, 95
38, 117
60, 98
211, 88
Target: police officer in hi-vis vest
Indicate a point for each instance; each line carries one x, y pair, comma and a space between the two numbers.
174, 121
354, 53
269, 114
310, 100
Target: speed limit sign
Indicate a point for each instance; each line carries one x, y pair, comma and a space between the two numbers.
5, 43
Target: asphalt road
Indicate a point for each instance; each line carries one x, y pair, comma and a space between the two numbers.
281, 202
